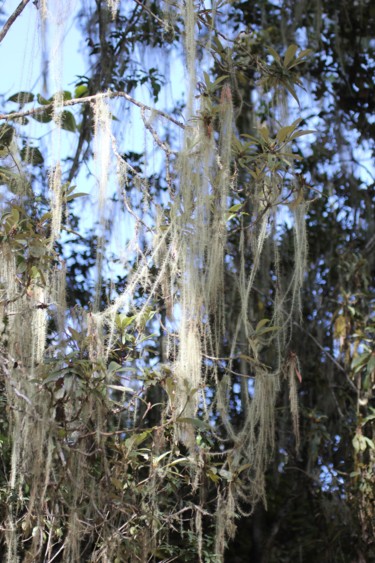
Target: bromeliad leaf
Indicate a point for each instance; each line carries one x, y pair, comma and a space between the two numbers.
76, 195
289, 55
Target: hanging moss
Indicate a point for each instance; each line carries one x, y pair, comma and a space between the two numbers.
76, 479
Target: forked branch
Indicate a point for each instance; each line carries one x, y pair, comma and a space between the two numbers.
89, 99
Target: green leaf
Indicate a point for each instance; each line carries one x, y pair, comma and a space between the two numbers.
121, 388
274, 54
207, 80
6, 135
64, 94
295, 123
55, 376
235, 207
68, 121
351, 310
301, 133
75, 334
261, 324
356, 443
293, 156
22, 120
67, 188
218, 80
31, 155
114, 367
37, 249
12, 218
369, 442
37, 274
81, 91
123, 320
301, 55
74, 196
360, 361
264, 133
283, 133
367, 419
218, 45
22, 98
43, 101
137, 439
291, 91
21, 263
184, 460
253, 139
212, 475
243, 468
44, 116
160, 457
45, 217
371, 365
289, 55
360, 443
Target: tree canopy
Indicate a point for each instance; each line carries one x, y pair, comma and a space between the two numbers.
187, 267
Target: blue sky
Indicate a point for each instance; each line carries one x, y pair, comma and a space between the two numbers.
21, 52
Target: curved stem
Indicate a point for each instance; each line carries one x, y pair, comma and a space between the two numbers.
10, 21
89, 99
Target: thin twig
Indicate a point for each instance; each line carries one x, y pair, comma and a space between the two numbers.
10, 21
333, 360
57, 553
163, 23
133, 170
89, 99
156, 137
322, 349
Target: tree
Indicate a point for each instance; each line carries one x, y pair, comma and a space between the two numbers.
162, 393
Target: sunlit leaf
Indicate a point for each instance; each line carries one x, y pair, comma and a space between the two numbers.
43, 101
121, 388
81, 91
235, 207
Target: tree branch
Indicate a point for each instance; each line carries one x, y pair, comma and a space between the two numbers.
144, 7
8, 24
333, 360
89, 99
322, 349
